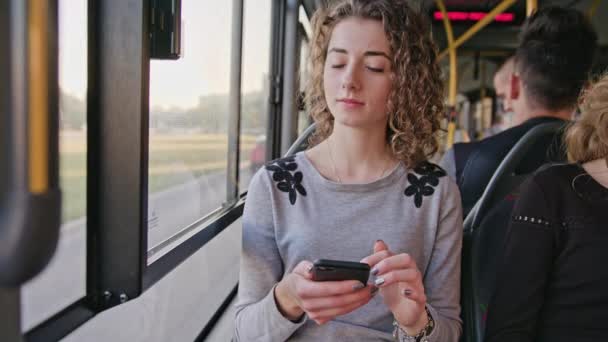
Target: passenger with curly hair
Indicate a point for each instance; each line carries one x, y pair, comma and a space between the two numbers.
552, 285
363, 192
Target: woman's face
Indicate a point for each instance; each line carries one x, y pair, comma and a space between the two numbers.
357, 77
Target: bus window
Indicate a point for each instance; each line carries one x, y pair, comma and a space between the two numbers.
305, 21
64, 280
304, 33
188, 123
254, 88
179, 305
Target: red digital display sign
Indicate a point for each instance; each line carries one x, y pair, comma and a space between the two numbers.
474, 16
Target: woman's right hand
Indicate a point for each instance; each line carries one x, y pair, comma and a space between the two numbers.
297, 294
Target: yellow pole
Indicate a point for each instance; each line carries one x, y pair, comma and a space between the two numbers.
531, 7
453, 86
593, 8
480, 24
488, 53
38, 96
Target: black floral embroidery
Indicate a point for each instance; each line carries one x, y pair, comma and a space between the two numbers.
286, 181
423, 186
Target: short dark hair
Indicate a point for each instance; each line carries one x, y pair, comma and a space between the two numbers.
554, 57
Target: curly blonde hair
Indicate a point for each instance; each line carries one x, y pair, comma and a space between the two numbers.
587, 139
416, 100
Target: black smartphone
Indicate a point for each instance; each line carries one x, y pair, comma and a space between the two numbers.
334, 270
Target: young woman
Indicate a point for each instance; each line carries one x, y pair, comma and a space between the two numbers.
552, 286
364, 192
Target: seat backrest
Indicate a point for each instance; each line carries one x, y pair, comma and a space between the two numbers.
301, 142
485, 227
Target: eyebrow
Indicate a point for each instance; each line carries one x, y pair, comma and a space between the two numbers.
366, 54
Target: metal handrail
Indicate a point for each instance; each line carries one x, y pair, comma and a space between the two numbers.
480, 24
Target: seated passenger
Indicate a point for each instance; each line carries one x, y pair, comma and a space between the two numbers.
363, 192
503, 115
502, 86
552, 63
553, 284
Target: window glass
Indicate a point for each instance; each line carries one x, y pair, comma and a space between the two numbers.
305, 21
254, 87
304, 119
188, 123
179, 305
304, 70
63, 281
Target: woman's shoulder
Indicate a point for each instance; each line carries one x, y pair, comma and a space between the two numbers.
426, 179
275, 170
429, 173
548, 187
558, 170
553, 177
283, 175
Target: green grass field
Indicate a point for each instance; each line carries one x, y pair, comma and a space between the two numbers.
174, 159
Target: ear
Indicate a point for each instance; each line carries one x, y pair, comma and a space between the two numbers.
584, 92
515, 84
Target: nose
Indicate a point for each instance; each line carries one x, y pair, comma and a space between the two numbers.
350, 81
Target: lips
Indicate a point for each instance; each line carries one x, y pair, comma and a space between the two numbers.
351, 102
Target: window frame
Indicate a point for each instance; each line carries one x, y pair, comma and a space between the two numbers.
116, 182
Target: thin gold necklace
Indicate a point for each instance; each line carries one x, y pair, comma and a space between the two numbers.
333, 164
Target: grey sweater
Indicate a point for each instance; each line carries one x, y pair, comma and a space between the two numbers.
293, 213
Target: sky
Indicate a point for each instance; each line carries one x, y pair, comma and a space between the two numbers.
205, 66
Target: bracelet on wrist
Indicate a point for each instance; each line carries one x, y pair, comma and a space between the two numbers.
401, 335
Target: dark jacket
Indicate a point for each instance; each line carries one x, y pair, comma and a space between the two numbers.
476, 162
550, 286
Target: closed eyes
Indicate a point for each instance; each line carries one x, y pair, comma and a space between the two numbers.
375, 69
340, 66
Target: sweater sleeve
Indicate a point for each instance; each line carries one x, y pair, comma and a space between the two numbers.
442, 277
527, 262
257, 316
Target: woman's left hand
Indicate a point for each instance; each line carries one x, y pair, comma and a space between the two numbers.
400, 284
